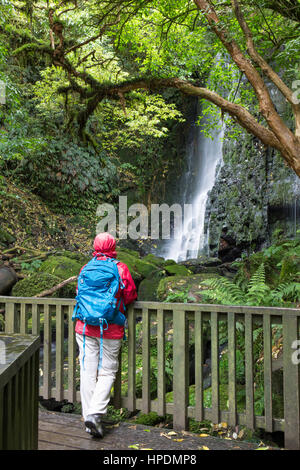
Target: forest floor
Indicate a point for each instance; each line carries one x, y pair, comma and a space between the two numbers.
33, 224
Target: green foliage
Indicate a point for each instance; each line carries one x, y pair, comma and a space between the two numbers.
32, 266
38, 282
182, 296
177, 270
240, 368
257, 292
61, 267
150, 419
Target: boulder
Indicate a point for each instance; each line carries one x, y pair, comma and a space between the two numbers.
147, 290
177, 270
169, 261
40, 281
202, 261
8, 279
157, 260
177, 284
61, 266
139, 268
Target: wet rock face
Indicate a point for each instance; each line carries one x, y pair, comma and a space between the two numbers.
251, 182
228, 251
237, 205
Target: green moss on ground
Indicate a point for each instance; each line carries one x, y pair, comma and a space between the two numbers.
38, 282
148, 289
157, 260
178, 270
150, 419
61, 266
138, 268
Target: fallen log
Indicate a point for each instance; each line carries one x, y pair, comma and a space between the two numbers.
25, 249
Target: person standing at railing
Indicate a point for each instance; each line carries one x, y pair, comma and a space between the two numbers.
95, 382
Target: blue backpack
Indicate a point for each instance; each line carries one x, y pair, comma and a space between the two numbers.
96, 302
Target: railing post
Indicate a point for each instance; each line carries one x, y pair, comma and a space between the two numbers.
59, 386
250, 420
232, 421
268, 373
198, 366
146, 362
47, 353
10, 318
117, 397
71, 357
35, 320
35, 385
23, 319
131, 360
291, 388
215, 396
180, 370
161, 355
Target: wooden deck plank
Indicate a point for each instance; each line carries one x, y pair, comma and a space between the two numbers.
59, 431
45, 445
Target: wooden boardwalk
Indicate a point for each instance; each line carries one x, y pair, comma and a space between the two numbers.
61, 431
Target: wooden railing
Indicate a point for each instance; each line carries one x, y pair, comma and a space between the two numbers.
19, 373
176, 322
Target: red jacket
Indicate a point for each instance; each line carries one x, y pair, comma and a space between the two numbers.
128, 294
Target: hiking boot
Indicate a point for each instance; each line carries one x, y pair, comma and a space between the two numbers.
93, 422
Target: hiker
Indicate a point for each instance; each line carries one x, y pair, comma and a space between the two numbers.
99, 342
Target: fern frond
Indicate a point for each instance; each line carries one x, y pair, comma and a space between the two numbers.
223, 291
258, 291
287, 291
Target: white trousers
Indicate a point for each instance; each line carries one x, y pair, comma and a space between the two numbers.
95, 385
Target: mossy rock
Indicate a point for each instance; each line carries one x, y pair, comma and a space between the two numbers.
138, 268
61, 266
178, 270
82, 259
169, 261
134, 253
129, 260
150, 419
148, 290
38, 282
191, 283
207, 261
157, 260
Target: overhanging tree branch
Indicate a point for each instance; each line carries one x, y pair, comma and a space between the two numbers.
264, 66
258, 59
290, 143
276, 134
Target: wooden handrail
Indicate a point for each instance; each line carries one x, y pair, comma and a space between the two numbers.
19, 374
52, 318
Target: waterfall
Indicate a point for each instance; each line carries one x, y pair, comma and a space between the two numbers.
204, 155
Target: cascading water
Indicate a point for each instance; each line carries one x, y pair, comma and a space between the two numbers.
203, 157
